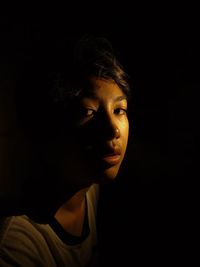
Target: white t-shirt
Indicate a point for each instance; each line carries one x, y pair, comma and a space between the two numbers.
25, 243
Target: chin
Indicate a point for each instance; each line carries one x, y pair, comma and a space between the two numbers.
108, 175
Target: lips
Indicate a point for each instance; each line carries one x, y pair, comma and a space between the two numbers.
111, 157
105, 155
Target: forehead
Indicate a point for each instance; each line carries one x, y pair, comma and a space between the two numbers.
102, 88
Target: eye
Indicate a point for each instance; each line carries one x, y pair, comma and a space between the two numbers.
85, 115
87, 112
120, 111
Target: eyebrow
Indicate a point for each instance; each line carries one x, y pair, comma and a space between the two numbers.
120, 98
115, 99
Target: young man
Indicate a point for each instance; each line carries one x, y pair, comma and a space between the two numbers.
78, 125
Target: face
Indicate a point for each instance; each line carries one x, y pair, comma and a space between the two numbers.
103, 129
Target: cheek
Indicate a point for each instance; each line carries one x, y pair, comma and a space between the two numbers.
124, 129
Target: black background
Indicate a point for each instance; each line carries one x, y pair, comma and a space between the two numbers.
160, 52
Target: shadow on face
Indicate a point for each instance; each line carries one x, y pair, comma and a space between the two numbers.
98, 145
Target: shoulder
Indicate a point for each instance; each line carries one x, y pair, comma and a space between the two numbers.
21, 241
18, 228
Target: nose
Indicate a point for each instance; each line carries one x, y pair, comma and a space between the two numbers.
116, 132
110, 129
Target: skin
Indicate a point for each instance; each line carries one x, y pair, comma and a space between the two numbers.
100, 144
105, 128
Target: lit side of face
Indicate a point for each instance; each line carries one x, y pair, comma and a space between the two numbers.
104, 128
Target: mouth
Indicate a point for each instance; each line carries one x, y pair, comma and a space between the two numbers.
112, 159
106, 156
111, 156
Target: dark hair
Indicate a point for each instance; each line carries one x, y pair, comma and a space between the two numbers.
92, 57
51, 88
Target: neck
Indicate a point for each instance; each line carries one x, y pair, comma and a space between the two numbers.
71, 214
